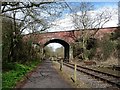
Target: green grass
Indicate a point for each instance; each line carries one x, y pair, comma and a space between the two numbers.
16, 73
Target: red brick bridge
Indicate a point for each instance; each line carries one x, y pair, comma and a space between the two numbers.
65, 38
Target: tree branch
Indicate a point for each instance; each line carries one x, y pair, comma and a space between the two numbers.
25, 6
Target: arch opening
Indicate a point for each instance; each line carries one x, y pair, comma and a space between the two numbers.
64, 44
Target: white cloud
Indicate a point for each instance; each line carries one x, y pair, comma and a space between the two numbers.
114, 20
62, 24
113, 23
67, 24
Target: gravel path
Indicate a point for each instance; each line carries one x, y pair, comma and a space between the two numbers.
46, 77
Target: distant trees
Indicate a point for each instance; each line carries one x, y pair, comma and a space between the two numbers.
60, 52
49, 51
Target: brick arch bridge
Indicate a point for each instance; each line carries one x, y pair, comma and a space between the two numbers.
65, 38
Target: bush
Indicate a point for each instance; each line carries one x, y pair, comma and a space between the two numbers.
106, 48
92, 53
16, 73
89, 51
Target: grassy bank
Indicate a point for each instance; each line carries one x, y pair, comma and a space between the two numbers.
14, 72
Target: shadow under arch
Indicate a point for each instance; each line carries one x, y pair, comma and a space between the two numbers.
64, 44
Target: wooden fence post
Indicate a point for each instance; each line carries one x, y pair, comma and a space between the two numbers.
75, 71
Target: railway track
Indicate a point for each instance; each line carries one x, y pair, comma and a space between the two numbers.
106, 77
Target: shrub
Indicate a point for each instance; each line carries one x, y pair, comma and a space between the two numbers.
106, 48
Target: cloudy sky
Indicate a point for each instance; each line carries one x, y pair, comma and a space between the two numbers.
65, 23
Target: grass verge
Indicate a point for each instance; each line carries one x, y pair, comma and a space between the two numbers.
16, 72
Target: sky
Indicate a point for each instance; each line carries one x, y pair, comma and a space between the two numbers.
65, 22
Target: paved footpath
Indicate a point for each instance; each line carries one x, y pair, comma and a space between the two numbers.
46, 77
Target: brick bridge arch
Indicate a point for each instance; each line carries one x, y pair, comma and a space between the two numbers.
65, 38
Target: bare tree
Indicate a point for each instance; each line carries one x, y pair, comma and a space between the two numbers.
88, 18
35, 15
85, 18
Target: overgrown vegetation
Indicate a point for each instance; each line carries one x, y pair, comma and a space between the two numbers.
85, 21
18, 57
13, 47
115, 37
16, 72
90, 46
87, 46
106, 48
100, 49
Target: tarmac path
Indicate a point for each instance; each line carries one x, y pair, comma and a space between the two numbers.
46, 76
